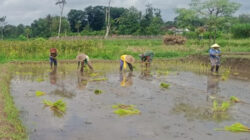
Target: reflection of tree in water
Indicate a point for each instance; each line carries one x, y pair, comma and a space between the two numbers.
126, 79
192, 112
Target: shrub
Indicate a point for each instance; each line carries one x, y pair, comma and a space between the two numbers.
241, 30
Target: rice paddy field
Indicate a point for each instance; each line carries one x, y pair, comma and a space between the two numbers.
177, 98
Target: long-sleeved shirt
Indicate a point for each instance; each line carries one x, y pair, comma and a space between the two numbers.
214, 53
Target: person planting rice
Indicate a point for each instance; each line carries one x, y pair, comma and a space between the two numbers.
52, 58
126, 60
82, 60
147, 58
215, 54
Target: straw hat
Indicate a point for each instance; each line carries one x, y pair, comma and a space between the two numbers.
215, 46
81, 57
130, 59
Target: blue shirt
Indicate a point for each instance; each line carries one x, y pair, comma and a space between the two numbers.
213, 52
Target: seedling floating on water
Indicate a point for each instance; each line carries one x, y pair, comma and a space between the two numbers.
59, 105
40, 93
97, 92
234, 99
39, 79
164, 85
224, 106
124, 110
99, 79
237, 127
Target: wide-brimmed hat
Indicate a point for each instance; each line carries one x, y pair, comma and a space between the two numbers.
130, 59
215, 46
81, 57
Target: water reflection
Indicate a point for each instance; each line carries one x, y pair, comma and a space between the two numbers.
212, 86
53, 76
126, 79
145, 74
82, 80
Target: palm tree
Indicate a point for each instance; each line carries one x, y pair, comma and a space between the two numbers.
61, 4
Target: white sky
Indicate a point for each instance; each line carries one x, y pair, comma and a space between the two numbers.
25, 11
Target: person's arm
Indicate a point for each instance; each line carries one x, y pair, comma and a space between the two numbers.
212, 52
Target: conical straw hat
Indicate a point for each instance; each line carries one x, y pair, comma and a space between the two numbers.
130, 59
81, 57
215, 46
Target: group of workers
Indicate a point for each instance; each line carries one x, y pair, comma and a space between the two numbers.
128, 60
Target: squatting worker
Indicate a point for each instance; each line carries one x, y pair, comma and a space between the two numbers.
147, 58
126, 60
83, 59
52, 58
215, 54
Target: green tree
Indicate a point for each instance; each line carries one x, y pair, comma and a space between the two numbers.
77, 19
96, 17
215, 13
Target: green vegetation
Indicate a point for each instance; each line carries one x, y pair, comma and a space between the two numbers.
40, 79
237, 127
125, 110
58, 105
97, 92
11, 126
220, 108
40, 93
164, 85
234, 99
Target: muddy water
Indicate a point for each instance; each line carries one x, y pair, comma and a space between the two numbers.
181, 112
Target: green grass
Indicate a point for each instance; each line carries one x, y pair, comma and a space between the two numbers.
110, 49
13, 128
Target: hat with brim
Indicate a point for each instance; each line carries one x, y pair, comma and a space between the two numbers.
81, 57
130, 59
215, 46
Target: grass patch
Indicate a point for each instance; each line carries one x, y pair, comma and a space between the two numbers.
164, 85
11, 127
125, 110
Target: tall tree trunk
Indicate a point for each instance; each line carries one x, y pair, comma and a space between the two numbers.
108, 20
60, 22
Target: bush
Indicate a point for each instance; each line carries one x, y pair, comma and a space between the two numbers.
174, 39
241, 30
190, 35
22, 38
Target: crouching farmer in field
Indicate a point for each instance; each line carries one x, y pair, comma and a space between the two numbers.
52, 58
147, 58
126, 60
215, 54
83, 60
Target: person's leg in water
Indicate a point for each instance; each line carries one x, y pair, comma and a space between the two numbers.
90, 66
217, 68
51, 61
55, 63
121, 65
130, 67
213, 64
82, 66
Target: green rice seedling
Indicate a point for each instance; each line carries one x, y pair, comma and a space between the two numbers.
164, 85
97, 92
40, 79
125, 110
58, 105
217, 108
225, 75
40, 93
94, 74
234, 99
99, 79
162, 72
237, 127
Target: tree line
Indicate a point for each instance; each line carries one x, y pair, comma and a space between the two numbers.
203, 19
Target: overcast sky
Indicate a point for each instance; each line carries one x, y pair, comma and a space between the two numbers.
25, 11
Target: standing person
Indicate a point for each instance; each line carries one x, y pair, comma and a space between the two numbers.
126, 60
52, 58
215, 54
147, 58
82, 60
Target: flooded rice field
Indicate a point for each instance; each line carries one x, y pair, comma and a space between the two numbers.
184, 111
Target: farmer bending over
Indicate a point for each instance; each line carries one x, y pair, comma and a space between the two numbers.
82, 60
147, 58
52, 58
215, 57
126, 60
